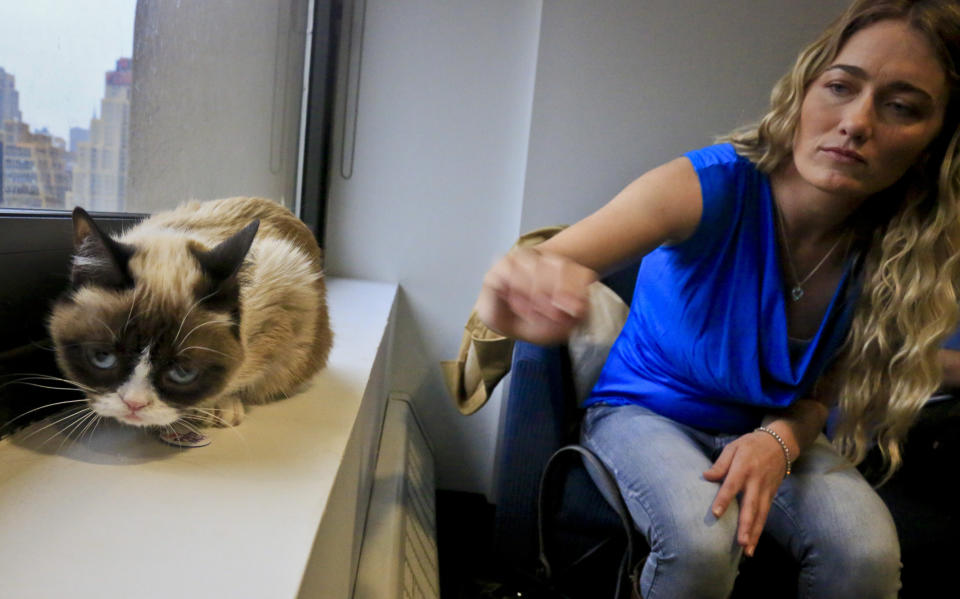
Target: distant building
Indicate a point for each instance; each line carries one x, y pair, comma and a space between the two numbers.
9, 110
34, 168
9, 98
77, 135
33, 171
100, 168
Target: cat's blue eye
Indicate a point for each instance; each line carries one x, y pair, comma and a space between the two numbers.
182, 375
102, 359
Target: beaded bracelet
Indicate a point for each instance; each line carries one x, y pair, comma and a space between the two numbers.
783, 446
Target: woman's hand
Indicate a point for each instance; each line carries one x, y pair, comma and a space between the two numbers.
535, 296
754, 466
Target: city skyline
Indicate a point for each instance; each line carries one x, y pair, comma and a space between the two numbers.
58, 52
38, 171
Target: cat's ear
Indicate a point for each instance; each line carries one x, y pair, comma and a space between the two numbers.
98, 259
224, 260
221, 263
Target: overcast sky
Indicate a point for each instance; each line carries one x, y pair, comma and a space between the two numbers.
59, 50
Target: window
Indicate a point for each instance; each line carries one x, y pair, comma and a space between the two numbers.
196, 99
58, 64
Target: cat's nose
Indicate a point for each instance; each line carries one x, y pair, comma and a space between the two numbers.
134, 405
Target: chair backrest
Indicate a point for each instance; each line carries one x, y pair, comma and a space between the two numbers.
540, 415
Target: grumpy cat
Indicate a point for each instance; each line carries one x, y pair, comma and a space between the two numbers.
193, 313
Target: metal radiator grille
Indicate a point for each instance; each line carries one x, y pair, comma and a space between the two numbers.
399, 555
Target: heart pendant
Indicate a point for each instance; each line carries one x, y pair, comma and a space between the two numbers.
796, 293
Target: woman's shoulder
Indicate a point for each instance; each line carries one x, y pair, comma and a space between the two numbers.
722, 154
729, 184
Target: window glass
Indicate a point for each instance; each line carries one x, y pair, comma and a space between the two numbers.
65, 79
217, 98
138, 105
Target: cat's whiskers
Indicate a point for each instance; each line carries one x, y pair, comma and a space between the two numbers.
200, 347
71, 414
184, 422
92, 422
43, 407
96, 422
29, 376
25, 382
133, 303
106, 326
210, 416
62, 430
134, 317
74, 427
43, 347
187, 336
201, 422
184, 319
169, 428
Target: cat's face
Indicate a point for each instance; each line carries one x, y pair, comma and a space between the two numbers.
143, 367
148, 347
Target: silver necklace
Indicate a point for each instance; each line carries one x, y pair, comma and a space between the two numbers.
796, 292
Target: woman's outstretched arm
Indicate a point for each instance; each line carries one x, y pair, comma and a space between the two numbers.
540, 294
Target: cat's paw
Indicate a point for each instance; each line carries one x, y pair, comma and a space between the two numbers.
227, 412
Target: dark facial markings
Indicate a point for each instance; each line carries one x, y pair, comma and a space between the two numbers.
181, 375
219, 290
208, 380
99, 365
222, 296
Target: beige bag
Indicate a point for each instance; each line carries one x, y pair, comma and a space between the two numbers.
484, 357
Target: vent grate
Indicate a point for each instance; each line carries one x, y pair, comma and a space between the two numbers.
399, 555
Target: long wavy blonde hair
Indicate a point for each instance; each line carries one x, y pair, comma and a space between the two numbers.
909, 238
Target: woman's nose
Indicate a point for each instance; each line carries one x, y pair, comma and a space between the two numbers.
857, 119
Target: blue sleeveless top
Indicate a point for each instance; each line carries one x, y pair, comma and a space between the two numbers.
706, 341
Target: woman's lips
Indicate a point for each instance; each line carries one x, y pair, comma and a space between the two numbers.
844, 156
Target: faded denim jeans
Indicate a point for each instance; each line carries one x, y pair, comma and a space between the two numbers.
825, 513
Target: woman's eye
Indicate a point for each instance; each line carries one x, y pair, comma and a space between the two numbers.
102, 359
838, 88
902, 109
182, 375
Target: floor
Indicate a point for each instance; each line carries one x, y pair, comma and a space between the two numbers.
464, 542
468, 568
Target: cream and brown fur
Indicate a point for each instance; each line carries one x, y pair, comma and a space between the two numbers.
230, 292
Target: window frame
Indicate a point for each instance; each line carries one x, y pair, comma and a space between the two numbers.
318, 128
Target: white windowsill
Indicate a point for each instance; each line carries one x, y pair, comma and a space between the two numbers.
119, 514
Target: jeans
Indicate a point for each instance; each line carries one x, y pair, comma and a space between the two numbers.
825, 513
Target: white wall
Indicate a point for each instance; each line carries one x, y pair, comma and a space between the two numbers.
626, 85
446, 90
478, 120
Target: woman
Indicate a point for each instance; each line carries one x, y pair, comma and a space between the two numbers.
810, 261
